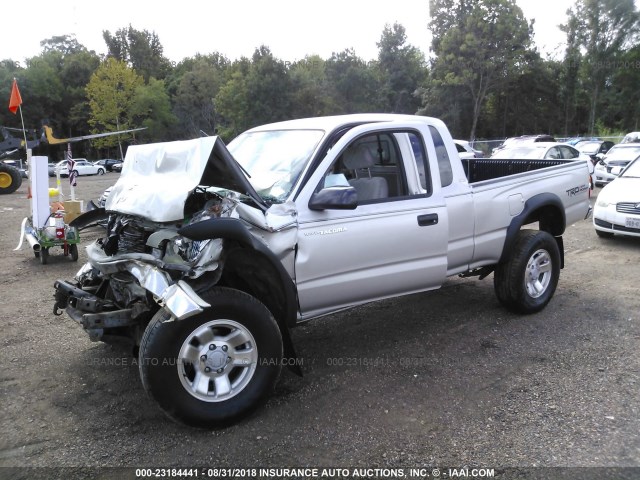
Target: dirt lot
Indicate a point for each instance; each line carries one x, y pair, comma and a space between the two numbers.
447, 378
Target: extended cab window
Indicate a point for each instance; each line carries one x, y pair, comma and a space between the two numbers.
444, 163
373, 166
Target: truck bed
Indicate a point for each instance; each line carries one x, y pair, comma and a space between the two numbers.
479, 169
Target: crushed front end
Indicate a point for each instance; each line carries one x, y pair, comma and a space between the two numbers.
143, 263
140, 266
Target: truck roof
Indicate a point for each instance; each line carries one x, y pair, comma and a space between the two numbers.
329, 123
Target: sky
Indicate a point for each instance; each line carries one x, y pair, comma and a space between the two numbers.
291, 29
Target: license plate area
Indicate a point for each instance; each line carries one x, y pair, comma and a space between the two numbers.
631, 222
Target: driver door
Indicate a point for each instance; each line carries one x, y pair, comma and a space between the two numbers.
390, 245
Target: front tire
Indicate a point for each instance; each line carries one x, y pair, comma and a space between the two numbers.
100, 171
212, 369
526, 282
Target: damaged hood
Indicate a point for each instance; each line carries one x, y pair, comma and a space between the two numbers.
157, 178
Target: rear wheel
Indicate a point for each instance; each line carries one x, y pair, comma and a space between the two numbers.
215, 367
10, 179
526, 282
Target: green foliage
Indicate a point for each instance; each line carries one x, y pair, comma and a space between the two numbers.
111, 92
485, 78
257, 92
402, 70
140, 49
195, 90
151, 108
485, 45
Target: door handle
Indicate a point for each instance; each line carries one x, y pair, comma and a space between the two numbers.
428, 219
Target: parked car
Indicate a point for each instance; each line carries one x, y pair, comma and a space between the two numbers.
107, 163
117, 167
548, 150
212, 254
524, 139
465, 150
52, 169
611, 164
617, 208
593, 148
632, 137
82, 167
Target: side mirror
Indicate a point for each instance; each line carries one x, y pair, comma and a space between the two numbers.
334, 198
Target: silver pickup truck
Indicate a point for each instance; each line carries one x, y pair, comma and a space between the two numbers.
212, 253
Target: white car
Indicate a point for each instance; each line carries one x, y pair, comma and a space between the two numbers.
617, 208
618, 157
82, 167
543, 150
465, 150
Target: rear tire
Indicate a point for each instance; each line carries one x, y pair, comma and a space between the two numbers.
212, 369
526, 282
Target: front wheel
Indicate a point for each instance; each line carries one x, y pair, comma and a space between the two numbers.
526, 282
100, 171
211, 369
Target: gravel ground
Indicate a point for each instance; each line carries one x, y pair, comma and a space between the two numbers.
446, 378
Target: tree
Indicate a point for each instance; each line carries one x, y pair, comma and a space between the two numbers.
199, 83
602, 28
258, 91
151, 108
310, 90
485, 45
354, 83
111, 92
140, 49
402, 69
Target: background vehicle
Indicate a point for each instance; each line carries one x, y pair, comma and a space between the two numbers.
617, 208
117, 167
632, 137
548, 150
611, 164
82, 166
107, 163
205, 268
524, 139
465, 150
594, 147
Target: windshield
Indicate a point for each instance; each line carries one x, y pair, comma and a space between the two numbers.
633, 170
275, 159
623, 153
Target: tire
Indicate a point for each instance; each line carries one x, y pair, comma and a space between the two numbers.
526, 282
75, 172
44, 256
199, 389
73, 250
10, 179
100, 171
602, 234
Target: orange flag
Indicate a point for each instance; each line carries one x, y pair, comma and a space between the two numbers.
16, 100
